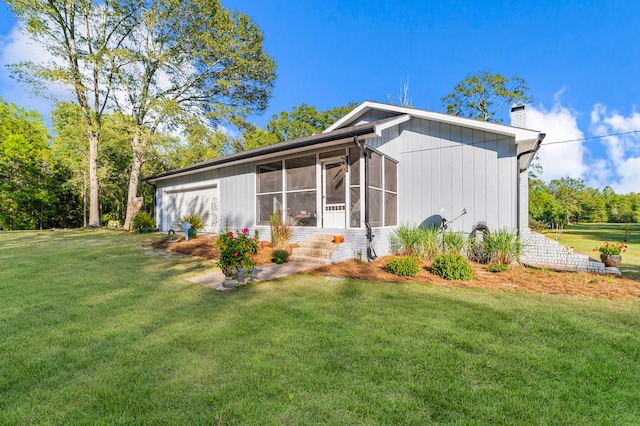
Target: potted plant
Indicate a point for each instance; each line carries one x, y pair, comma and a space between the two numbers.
235, 255
143, 222
610, 253
195, 219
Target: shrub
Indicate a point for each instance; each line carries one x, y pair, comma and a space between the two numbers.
503, 246
452, 267
143, 220
195, 219
280, 231
279, 256
404, 266
497, 267
537, 225
454, 242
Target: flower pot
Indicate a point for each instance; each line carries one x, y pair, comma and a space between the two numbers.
144, 229
193, 233
231, 277
611, 260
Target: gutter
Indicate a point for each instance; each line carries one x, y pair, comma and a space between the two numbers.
371, 253
535, 149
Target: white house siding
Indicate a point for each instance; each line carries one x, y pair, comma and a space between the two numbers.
375, 115
451, 167
236, 189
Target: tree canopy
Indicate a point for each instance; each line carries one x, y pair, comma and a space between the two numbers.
302, 120
160, 62
33, 194
481, 95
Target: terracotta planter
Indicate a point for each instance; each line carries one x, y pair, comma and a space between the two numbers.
611, 260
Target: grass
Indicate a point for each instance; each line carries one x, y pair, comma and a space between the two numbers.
584, 237
97, 329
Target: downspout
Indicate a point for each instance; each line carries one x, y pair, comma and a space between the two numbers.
371, 254
541, 136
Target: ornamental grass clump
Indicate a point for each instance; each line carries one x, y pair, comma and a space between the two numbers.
415, 241
611, 248
236, 252
454, 242
405, 240
404, 266
280, 231
503, 246
452, 267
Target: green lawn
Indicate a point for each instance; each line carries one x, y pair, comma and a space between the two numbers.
95, 328
584, 237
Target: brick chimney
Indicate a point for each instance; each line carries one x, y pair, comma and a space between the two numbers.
519, 117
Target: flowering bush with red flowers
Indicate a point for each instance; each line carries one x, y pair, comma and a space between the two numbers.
611, 248
235, 252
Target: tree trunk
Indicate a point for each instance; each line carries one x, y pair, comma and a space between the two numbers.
94, 209
133, 179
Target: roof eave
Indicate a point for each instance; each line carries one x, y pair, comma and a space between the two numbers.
521, 135
363, 131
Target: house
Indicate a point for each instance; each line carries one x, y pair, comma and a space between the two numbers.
379, 166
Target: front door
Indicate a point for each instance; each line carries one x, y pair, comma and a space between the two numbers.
334, 205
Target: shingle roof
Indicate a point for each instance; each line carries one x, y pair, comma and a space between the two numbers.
367, 129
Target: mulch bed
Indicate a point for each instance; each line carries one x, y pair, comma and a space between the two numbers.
518, 278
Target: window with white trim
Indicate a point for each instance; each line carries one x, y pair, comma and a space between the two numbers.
288, 186
383, 191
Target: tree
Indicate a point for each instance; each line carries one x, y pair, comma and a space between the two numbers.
403, 97
480, 96
303, 120
187, 60
32, 186
69, 149
77, 34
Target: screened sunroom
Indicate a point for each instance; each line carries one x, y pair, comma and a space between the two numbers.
329, 189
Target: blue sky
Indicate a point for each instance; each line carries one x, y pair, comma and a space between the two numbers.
580, 58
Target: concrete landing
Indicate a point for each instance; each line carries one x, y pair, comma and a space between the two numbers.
260, 273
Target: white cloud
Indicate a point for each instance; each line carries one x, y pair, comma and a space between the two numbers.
16, 47
623, 150
559, 124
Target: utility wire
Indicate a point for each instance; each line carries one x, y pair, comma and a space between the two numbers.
591, 137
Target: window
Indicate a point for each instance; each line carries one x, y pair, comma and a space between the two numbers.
297, 200
269, 189
383, 191
301, 191
355, 207
270, 177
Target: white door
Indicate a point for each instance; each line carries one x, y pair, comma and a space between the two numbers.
200, 200
334, 205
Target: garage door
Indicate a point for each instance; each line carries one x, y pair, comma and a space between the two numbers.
201, 200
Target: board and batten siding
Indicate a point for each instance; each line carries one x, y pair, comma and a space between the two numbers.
452, 167
236, 189
375, 115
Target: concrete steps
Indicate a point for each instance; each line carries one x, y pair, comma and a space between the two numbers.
542, 251
317, 248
